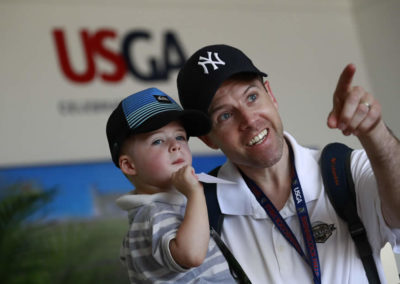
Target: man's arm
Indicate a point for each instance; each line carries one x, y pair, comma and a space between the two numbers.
357, 112
189, 248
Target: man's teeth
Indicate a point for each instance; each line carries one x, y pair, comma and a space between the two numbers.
259, 138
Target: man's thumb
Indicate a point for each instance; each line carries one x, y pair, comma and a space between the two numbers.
332, 119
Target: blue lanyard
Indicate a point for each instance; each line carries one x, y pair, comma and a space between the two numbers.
302, 213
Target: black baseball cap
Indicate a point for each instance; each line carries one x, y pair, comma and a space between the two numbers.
146, 111
204, 72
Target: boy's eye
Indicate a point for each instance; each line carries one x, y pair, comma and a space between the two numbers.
157, 142
252, 97
181, 138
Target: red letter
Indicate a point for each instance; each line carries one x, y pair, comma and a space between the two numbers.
64, 59
113, 57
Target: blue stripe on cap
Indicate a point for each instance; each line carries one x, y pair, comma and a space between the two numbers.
136, 118
143, 105
136, 101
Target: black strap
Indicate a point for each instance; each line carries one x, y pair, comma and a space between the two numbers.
236, 270
216, 218
338, 182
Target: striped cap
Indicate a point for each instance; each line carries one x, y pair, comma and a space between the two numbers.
146, 111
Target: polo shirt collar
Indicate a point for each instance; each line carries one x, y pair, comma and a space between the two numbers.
237, 199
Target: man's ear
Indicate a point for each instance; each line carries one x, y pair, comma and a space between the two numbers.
126, 165
207, 140
270, 93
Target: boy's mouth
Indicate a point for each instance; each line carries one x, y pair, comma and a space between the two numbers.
178, 161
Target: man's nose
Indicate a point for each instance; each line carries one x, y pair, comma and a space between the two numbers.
247, 119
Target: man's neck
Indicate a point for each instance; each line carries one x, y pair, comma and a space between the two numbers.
274, 181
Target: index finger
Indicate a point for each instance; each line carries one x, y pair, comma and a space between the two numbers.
345, 79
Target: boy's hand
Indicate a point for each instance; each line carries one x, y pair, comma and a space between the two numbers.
189, 247
186, 181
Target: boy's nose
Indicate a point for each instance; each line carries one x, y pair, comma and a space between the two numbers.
175, 146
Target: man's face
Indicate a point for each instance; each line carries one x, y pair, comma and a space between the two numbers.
246, 124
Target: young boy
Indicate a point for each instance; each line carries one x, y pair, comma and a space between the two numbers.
168, 240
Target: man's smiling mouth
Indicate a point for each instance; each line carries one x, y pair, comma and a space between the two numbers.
258, 138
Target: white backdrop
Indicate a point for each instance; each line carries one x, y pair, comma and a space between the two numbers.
302, 45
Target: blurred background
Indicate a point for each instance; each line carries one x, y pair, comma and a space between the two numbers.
64, 65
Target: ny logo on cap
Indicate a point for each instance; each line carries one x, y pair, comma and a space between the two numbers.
203, 61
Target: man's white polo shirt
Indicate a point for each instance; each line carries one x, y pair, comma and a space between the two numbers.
265, 254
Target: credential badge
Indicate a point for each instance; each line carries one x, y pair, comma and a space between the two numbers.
322, 231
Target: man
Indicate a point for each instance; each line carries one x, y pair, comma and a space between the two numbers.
278, 182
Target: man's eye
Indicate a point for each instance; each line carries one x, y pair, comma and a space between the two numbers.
252, 97
224, 116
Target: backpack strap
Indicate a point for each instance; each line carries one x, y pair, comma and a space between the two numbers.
236, 270
338, 182
216, 218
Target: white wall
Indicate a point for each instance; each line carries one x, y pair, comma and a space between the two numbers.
378, 24
302, 45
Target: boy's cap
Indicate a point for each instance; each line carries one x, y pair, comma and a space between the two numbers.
147, 111
205, 71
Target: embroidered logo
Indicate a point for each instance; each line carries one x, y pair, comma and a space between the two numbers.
203, 61
162, 99
322, 231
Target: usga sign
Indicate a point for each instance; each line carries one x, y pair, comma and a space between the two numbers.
93, 46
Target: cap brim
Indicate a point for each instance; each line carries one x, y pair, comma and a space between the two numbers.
241, 71
195, 122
